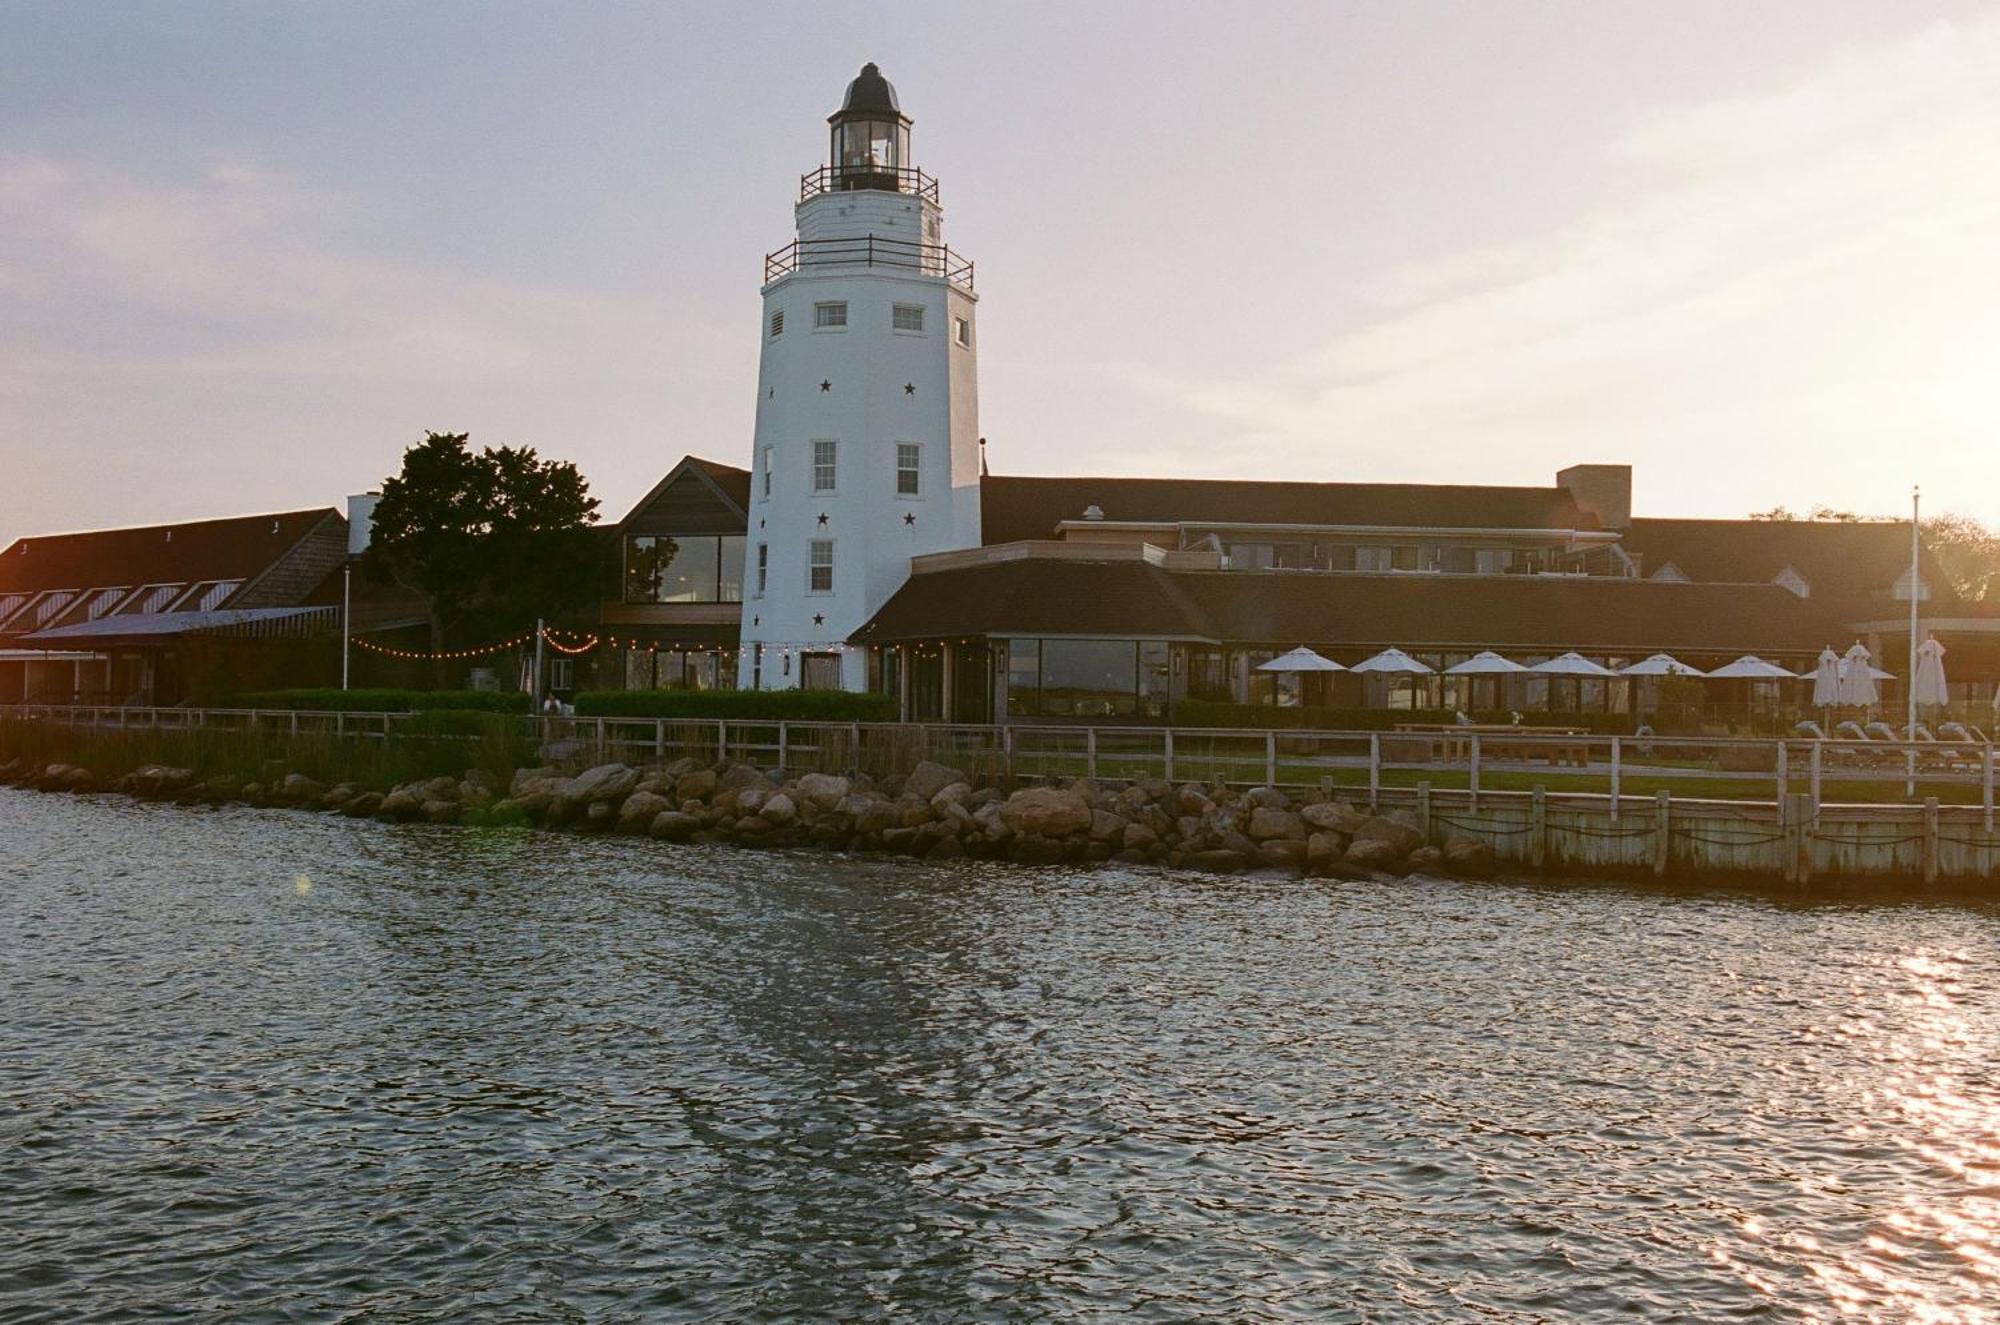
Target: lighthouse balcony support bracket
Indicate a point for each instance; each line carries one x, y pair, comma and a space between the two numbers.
806, 255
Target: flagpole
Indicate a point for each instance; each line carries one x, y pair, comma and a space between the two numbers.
1910, 683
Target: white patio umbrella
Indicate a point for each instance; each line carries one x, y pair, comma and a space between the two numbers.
1571, 664
1300, 659
1929, 683
1660, 664
1826, 679
1857, 677
1488, 663
1393, 662
1751, 668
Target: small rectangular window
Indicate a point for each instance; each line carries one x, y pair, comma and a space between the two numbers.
907, 473
908, 317
778, 322
767, 471
961, 331
830, 315
763, 567
819, 571
824, 465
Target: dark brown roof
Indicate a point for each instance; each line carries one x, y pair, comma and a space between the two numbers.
1016, 507
1351, 613
1849, 566
238, 548
734, 482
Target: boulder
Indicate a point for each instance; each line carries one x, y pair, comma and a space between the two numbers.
363, 806
673, 826
1282, 854
298, 787
1027, 849
1267, 798
1324, 848
1267, 824
1138, 837
947, 848
824, 789
1425, 860
740, 776
1046, 812
638, 811
1189, 801
1215, 862
1333, 816
1373, 854
405, 802
1401, 836
878, 816
927, 779
606, 783
954, 794
1106, 826
1468, 858
749, 800
523, 776
779, 809
694, 785
440, 811
600, 814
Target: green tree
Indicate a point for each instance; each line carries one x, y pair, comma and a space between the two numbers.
1967, 552
490, 539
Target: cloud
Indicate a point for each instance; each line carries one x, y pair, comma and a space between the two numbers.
1796, 278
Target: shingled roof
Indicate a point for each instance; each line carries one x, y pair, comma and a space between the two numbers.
1350, 612
1018, 507
1849, 566
237, 548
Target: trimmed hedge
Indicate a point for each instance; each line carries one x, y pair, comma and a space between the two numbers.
328, 700
1209, 713
802, 705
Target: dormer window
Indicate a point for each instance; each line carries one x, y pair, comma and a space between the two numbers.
1791, 580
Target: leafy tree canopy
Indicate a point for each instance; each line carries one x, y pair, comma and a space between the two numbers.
1966, 550
490, 539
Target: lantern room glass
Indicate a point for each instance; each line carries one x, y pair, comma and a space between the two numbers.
869, 153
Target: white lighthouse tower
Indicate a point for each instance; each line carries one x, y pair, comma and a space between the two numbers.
867, 448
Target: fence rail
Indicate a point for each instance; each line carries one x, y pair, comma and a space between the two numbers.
1477, 764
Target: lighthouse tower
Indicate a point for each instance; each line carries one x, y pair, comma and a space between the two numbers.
867, 443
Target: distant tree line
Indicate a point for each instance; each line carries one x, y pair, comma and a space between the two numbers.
1966, 548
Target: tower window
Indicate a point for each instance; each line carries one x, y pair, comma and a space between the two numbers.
778, 323
961, 331
908, 317
767, 472
830, 315
763, 567
819, 566
908, 476
825, 465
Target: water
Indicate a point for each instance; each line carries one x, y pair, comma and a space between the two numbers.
264, 1066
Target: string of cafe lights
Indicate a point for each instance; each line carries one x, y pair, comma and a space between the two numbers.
582, 642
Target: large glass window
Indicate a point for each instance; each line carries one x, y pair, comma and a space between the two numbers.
1024, 677
693, 568
1089, 678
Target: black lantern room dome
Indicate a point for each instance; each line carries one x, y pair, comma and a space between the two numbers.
870, 94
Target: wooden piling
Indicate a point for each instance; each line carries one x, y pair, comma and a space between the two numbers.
1663, 813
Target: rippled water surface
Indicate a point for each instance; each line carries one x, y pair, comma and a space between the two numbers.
265, 1066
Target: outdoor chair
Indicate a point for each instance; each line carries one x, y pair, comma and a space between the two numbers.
1808, 727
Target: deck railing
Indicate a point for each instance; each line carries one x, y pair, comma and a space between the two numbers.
887, 179
906, 255
1370, 764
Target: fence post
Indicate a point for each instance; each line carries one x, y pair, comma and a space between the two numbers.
295, 722
1424, 807
1168, 772
1663, 815
1270, 759
722, 740
1816, 751
1788, 840
1784, 770
854, 731
784, 744
1986, 791
1007, 751
602, 752
1617, 776
1930, 839
1538, 824
659, 738
1090, 753
1472, 770
1374, 772
339, 723
1805, 822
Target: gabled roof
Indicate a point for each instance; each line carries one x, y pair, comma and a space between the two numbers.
728, 484
1019, 507
1353, 612
1848, 564
237, 548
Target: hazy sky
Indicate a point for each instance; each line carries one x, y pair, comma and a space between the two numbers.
249, 252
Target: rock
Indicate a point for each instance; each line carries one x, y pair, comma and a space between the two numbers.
1046, 812
673, 826
1106, 826
927, 779
606, 783
523, 776
406, 802
694, 785
878, 816
1138, 837
684, 765
948, 848
299, 787
532, 805
1425, 860
1468, 857
1267, 798
1282, 853
1324, 848
1403, 837
600, 814
1189, 801
779, 809
1267, 824
1031, 850
749, 800
740, 776
1333, 816
1215, 862
824, 789
363, 806
1373, 854
638, 811
440, 811
954, 794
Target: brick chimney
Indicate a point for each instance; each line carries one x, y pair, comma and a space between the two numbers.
1604, 491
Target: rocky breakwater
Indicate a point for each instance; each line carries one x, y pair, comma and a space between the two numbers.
935, 812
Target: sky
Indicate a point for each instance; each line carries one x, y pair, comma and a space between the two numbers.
249, 253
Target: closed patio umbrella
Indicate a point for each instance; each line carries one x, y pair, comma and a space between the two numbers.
1826, 679
1300, 659
1571, 664
1857, 677
1751, 668
1929, 685
1660, 664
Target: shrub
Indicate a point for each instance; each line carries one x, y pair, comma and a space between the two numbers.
770, 705
328, 700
